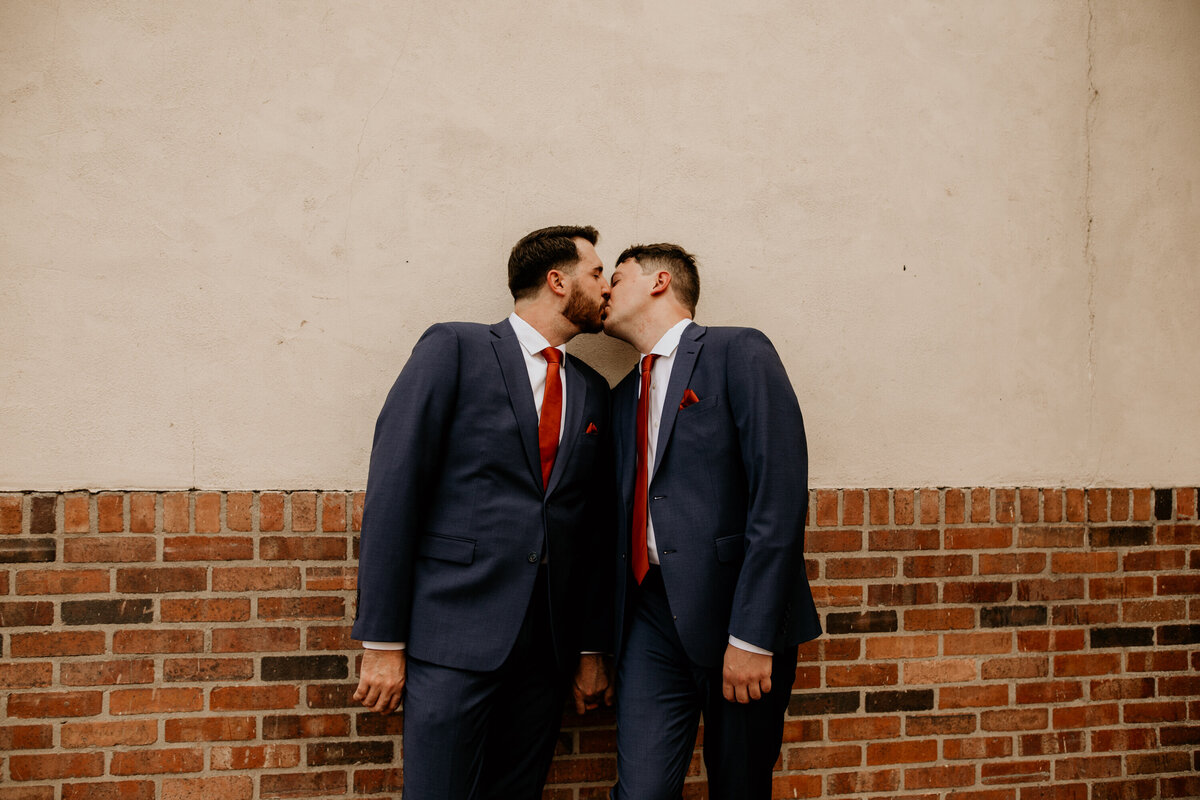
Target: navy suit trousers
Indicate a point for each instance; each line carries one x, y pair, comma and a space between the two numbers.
661, 695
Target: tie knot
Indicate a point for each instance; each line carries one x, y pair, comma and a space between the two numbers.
552, 355
648, 362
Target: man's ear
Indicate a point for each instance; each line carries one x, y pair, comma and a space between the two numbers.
662, 282
556, 282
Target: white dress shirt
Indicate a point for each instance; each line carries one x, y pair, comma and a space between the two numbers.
532, 345
660, 378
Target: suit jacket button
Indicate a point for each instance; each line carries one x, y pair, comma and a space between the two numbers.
532, 558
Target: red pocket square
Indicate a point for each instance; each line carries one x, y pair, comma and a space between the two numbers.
592, 430
689, 397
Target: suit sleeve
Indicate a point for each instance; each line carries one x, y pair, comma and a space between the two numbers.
775, 459
405, 458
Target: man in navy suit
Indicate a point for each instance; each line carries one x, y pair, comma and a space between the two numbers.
712, 595
486, 534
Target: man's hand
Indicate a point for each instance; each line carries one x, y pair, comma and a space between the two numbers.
592, 684
381, 680
745, 676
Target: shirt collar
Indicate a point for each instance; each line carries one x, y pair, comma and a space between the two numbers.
670, 340
532, 341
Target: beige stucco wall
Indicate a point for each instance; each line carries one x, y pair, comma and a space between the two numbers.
970, 228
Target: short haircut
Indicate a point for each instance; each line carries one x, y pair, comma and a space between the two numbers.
541, 251
685, 278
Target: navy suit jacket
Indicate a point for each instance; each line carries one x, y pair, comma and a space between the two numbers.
728, 496
456, 521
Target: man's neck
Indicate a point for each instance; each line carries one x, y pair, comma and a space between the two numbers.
546, 321
648, 334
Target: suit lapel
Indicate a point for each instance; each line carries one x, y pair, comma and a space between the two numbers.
624, 433
576, 388
681, 375
516, 380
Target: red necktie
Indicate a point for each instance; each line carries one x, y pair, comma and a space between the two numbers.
639, 552
551, 419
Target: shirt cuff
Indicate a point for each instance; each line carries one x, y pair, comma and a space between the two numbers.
384, 645
749, 648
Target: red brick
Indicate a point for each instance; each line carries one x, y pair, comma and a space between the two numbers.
1075, 506
908, 539
976, 592
242, 757
1120, 588
911, 751
207, 669
333, 511
976, 538
1156, 661
902, 506
1143, 503
156, 580
1179, 584
925, 646
1121, 689
989, 794
940, 670
832, 541
1179, 686
26, 737
177, 512
1046, 692
1097, 505
247, 698
360, 497
973, 696
1084, 768
1178, 534
25, 675
102, 549
1144, 789
302, 548
76, 513
1118, 508
856, 728
937, 566
837, 596
985, 643
843, 568
42, 705
67, 581
799, 758
233, 787
333, 579
157, 762
239, 511
857, 783
1086, 614
1083, 562
270, 511
1006, 501
11, 514
128, 733
1011, 563
827, 507
939, 777
1042, 589
981, 505
1048, 744
255, 579
116, 790
994, 772
1167, 711
208, 548
879, 505
151, 641
1030, 501
940, 725
255, 640
107, 673
26, 614
55, 766
1155, 560
1156, 763
977, 748
930, 500
1088, 716
110, 513
374, 781
310, 726
1089, 664
304, 511
58, 643
861, 675
1181, 787
208, 512
1030, 719
279, 608
1185, 503
955, 503
155, 701
939, 619
1055, 536
233, 609
142, 513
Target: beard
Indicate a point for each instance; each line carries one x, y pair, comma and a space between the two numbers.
583, 313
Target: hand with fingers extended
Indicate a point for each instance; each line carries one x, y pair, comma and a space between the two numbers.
745, 676
593, 683
381, 680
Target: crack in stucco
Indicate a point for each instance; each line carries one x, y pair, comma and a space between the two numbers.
1089, 255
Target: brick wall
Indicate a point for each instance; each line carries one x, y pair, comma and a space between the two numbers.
983, 644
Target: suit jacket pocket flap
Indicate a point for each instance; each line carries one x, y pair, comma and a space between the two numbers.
729, 548
447, 548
